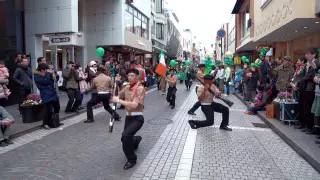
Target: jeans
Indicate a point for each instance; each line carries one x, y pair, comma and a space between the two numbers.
4, 132
227, 87
129, 141
74, 96
105, 99
208, 111
81, 99
255, 109
51, 107
171, 95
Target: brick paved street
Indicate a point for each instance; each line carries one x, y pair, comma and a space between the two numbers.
169, 149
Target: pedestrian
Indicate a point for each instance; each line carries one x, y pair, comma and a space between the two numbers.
208, 106
71, 81
199, 78
132, 97
172, 89
103, 86
82, 84
45, 83
23, 77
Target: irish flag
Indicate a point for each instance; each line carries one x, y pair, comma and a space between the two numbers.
161, 68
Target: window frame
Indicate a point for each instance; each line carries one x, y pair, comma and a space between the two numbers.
141, 17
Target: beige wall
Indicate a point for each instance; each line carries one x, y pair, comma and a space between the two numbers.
278, 13
137, 41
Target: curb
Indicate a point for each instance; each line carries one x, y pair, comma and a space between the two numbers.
305, 155
16, 135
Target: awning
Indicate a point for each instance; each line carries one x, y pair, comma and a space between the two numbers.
237, 7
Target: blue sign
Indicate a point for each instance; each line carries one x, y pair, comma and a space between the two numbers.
221, 33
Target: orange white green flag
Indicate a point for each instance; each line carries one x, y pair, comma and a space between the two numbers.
161, 68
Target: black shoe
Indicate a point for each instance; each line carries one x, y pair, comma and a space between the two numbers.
8, 141
89, 121
3, 144
173, 106
137, 141
317, 142
318, 137
46, 127
118, 119
192, 125
80, 108
61, 124
311, 132
191, 113
226, 128
129, 165
304, 130
299, 127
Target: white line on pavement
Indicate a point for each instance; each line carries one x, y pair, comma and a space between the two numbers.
186, 160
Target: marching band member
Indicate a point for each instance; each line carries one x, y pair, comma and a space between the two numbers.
172, 89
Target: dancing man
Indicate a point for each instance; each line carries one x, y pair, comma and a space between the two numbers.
200, 76
103, 86
206, 94
172, 89
132, 97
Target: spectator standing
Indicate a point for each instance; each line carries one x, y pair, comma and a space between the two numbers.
220, 78
4, 75
284, 74
5, 122
83, 84
227, 77
299, 73
45, 81
23, 77
71, 80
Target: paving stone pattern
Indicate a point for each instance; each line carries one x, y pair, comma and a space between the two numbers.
246, 153
84, 151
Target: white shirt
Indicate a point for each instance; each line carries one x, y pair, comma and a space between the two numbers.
220, 74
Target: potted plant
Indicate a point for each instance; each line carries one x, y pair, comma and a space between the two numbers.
32, 109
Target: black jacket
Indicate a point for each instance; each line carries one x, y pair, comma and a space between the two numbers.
23, 77
306, 82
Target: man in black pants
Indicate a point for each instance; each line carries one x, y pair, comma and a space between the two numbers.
172, 89
208, 106
103, 85
133, 95
200, 76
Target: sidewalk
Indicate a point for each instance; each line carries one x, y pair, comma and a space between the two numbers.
301, 142
19, 128
250, 151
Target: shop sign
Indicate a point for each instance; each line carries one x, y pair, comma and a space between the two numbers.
237, 60
140, 43
60, 40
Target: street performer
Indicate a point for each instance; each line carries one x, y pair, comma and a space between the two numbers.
172, 89
200, 75
132, 97
208, 106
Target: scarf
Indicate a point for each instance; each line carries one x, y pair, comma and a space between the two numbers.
132, 85
298, 71
93, 69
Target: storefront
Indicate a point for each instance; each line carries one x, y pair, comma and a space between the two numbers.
11, 40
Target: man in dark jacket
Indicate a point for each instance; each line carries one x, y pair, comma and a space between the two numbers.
23, 77
306, 89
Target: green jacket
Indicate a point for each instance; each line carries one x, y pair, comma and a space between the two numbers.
72, 78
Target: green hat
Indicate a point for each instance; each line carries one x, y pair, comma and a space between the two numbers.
258, 61
255, 65
287, 58
263, 51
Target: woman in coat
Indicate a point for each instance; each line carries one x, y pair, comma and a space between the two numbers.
45, 83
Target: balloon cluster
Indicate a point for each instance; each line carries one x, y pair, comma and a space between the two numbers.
228, 61
100, 51
244, 59
209, 65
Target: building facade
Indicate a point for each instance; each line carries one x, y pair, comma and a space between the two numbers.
231, 43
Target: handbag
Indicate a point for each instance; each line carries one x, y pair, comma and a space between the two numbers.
270, 111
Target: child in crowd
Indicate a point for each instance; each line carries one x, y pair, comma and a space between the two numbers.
4, 74
260, 101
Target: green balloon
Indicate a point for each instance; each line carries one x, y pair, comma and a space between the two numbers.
172, 62
100, 51
243, 58
188, 62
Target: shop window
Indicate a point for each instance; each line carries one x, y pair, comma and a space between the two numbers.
144, 30
129, 21
137, 26
159, 6
246, 17
159, 31
153, 28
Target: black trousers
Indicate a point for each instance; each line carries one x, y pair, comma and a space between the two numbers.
97, 98
208, 111
196, 105
306, 118
51, 107
129, 141
171, 95
23, 95
74, 96
188, 84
